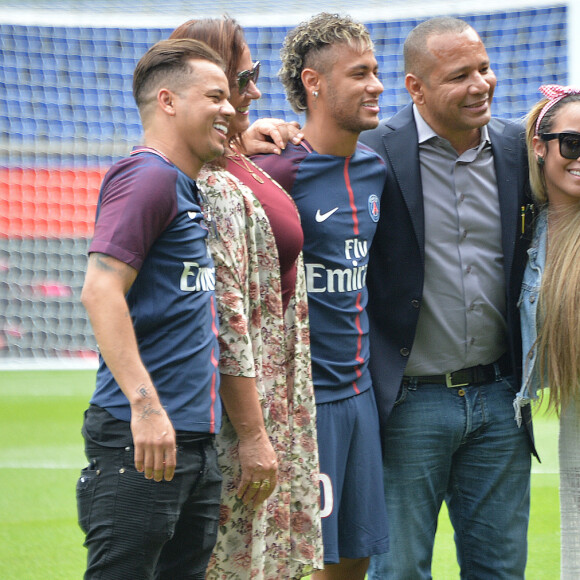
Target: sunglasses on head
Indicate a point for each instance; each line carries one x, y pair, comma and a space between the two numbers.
569, 143
246, 76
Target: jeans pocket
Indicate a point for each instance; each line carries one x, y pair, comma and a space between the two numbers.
509, 383
85, 492
402, 394
148, 505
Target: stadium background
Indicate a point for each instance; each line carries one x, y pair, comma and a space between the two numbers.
67, 113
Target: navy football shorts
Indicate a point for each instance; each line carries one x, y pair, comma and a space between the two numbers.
354, 518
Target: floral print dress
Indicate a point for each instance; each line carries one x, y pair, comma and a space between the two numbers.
281, 539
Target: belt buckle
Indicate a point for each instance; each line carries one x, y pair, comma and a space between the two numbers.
449, 383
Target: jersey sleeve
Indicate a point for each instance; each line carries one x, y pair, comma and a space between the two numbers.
282, 168
137, 202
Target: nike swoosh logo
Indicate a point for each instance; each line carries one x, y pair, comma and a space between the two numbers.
320, 217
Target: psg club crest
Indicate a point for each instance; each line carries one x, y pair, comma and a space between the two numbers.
374, 207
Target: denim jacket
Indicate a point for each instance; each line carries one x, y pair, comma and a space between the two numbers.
528, 306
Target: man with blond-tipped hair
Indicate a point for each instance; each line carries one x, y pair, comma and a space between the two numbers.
329, 72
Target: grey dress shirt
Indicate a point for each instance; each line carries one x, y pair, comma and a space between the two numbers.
462, 318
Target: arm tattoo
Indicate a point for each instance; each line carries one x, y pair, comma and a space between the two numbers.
147, 411
101, 263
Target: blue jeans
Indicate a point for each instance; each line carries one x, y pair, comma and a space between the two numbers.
140, 529
461, 445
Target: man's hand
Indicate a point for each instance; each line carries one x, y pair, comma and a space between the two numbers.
106, 284
259, 469
153, 436
271, 136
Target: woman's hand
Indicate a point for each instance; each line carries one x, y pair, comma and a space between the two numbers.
256, 454
259, 469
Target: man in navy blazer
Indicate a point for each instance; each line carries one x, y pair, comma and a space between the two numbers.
444, 280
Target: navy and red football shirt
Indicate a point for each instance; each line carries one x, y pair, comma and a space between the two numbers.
339, 203
149, 217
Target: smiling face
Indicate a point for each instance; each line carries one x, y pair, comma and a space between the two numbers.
562, 176
203, 113
350, 92
241, 102
455, 95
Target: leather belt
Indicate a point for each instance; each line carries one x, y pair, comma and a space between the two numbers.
470, 376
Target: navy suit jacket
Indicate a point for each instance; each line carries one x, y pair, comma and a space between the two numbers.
397, 255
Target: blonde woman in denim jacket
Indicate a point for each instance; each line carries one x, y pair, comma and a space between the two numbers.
550, 298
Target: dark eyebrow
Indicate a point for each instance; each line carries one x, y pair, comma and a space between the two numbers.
363, 68
463, 69
220, 92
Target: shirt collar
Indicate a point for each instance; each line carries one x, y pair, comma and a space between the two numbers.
425, 132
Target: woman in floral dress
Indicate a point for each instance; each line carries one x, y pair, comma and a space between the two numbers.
270, 520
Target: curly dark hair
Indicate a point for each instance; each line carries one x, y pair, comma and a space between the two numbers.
307, 44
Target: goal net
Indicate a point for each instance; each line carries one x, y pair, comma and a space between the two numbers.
67, 113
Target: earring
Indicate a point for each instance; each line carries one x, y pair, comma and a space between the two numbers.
540, 160
315, 94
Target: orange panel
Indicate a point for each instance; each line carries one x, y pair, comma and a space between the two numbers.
48, 203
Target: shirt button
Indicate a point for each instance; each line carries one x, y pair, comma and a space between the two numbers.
468, 270
464, 235
405, 351
415, 303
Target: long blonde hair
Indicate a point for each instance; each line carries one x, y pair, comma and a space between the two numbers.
558, 341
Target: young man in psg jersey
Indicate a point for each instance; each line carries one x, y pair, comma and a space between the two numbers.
329, 71
148, 501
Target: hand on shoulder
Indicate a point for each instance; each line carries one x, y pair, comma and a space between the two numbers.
270, 135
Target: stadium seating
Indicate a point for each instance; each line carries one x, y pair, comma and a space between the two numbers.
67, 112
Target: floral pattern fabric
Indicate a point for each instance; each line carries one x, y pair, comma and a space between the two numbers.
281, 539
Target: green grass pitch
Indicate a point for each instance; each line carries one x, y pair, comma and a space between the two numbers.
41, 453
